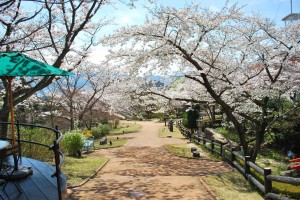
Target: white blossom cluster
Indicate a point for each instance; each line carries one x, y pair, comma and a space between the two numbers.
226, 55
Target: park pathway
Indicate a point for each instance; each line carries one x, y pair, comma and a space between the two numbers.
144, 169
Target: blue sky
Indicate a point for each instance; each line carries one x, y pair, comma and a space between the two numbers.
272, 9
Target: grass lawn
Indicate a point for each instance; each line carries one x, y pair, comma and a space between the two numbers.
165, 132
126, 128
181, 150
115, 143
231, 185
79, 169
273, 159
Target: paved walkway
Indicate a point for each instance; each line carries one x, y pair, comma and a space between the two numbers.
144, 169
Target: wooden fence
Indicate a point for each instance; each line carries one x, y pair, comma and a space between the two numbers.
261, 178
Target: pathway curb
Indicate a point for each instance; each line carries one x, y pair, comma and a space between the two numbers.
212, 194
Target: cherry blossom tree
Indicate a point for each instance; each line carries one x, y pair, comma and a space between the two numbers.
84, 90
51, 32
60, 33
49, 98
240, 61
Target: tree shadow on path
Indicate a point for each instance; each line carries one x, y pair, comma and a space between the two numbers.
149, 173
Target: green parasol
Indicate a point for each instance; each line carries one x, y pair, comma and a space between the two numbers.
16, 64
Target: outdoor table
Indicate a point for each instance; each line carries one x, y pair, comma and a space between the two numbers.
3, 145
16, 171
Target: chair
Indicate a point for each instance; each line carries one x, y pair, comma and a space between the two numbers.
88, 143
8, 170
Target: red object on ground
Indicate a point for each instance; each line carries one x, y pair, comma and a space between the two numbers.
295, 160
296, 167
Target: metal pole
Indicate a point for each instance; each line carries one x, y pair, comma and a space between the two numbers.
9, 79
19, 138
57, 173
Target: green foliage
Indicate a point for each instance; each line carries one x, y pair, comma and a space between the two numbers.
173, 116
190, 118
101, 130
38, 135
144, 115
230, 134
185, 122
280, 104
73, 142
136, 118
160, 116
285, 132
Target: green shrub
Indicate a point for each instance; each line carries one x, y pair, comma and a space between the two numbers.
38, 135
230, 134
101, 130
185, 122
135, 118
160, 116
73, 142
105, 128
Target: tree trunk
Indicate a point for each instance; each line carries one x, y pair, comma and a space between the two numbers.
259, 139
72, 123
4, 117
213, 114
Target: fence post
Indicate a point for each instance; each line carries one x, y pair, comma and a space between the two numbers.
247, 167
267, 182
232, 155
212, 146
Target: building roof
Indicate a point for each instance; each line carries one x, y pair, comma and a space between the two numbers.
291, 17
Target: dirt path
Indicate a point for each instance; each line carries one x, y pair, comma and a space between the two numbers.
144, 169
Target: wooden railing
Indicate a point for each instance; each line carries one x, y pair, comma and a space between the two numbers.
245, 166
58, 155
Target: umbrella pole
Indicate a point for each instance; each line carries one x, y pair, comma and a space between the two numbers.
12, 120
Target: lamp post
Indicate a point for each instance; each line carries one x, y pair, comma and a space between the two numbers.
199, 124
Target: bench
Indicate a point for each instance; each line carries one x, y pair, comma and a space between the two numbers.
103, 140
297, 165
88, 143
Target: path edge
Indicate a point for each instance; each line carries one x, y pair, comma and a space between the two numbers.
210, 191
